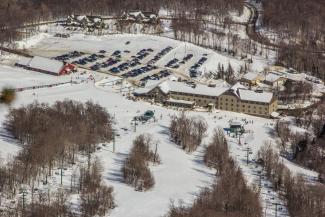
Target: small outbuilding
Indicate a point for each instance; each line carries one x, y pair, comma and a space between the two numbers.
46, 65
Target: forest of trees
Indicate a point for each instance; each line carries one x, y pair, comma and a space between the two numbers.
229, 196
187, 132
135, 169
295, 92
303, 199
14, 13
51, 137
302, 23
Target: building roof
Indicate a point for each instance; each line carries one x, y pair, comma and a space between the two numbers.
237, 86
255, 96
272, 77
199, 89
251, 76
24, 60
181, 87
46, 64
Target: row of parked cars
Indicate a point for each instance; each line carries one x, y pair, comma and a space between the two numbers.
89, 59
175, 63
194, 69
115, 58
143, 53
159, 55
135, 60
139, 71
162, 74
109, 62
68, 56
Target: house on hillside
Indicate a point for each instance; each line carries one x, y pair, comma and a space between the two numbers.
276, 80
85, 21
251, 79
141, 17
46, 65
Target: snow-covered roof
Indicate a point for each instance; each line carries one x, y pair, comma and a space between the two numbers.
275, 114
272, 77
46, 64
255, 96
236, 123
81, 17
237, 86
136, 13
199, 89
24, 60
181, 87
251, 76
96, 20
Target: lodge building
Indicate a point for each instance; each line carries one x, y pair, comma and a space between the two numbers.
222, 96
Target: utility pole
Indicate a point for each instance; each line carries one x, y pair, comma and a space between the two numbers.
248, 152
276, 208
135, 125
24, 194
114, 141
239, 141
260, 179
61, 174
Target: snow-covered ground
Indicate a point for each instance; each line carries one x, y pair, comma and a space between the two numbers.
180, 176
242, 18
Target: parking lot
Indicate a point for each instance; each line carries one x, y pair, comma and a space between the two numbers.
136, 58
139, 67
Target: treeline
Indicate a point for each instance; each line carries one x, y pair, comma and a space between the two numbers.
302, 23
295, 91
50, 137
230, 196
15, 13
300, 19
302, 59
136, 170
303, 199
54, 134
96, 198
187, 132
